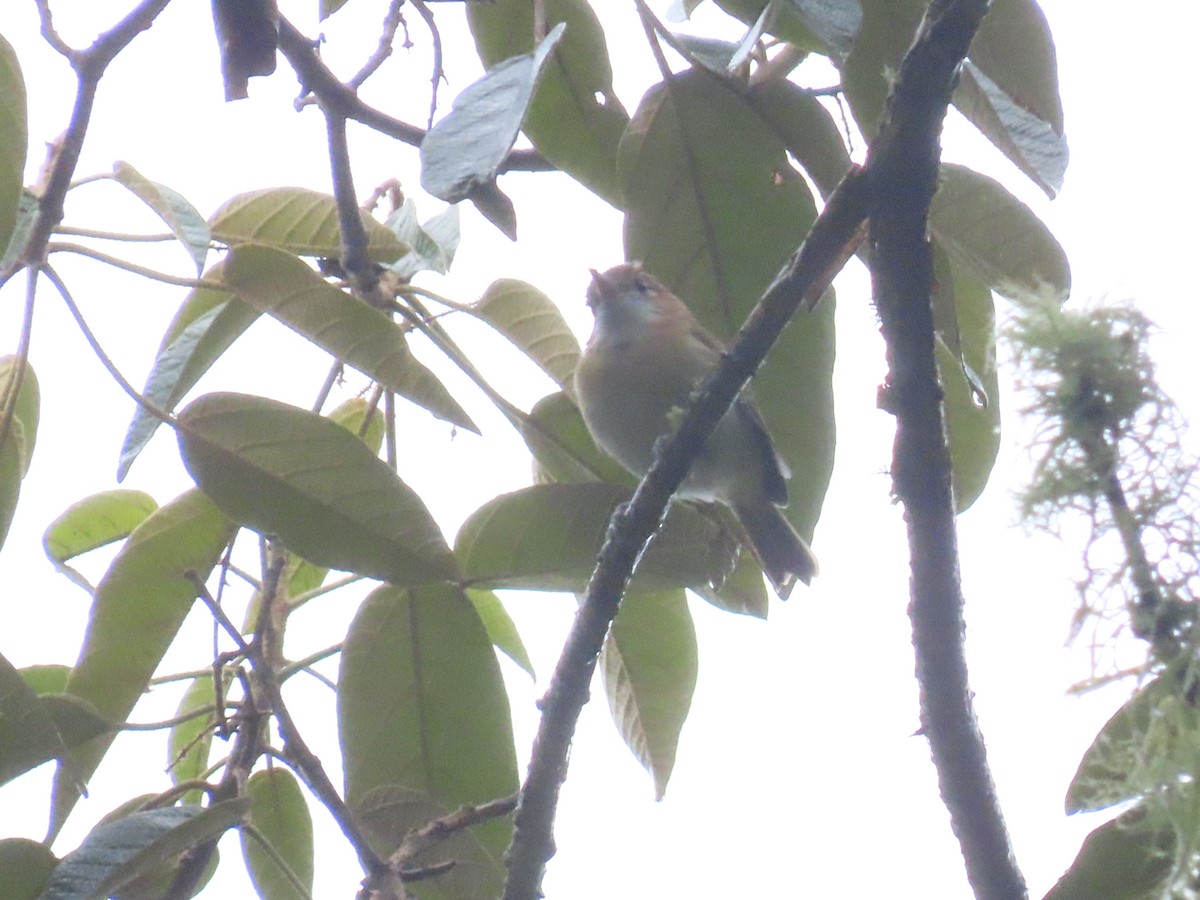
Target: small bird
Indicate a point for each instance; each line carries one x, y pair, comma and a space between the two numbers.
646, 356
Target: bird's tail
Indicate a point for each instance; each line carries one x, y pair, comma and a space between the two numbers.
782, 553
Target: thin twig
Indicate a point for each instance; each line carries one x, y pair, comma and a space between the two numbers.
317, 78
439, 73
215, 608
134, 268
391, 23
432, 833
160, 414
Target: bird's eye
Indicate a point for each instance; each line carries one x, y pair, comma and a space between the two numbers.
642, 284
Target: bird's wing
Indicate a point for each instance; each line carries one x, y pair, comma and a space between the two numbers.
775, 470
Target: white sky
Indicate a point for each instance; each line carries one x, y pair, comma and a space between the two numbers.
797, 773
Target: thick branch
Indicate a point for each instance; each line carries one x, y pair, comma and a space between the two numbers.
809, 272
903, 166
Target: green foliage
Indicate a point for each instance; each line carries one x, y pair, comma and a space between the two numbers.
712, 174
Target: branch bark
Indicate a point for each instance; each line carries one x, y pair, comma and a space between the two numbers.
894, 189
903, 165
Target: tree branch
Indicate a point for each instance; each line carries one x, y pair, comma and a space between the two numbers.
338, 98
831, 242
903, 167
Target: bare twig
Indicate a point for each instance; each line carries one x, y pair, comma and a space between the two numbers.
160, 414
335, 96
392, 20
439, 73
422, 839
127, 266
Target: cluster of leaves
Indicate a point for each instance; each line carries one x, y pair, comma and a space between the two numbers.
1110, 451
712, 172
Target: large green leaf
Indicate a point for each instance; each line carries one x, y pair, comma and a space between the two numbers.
289, 472
887, 31
466, 149
191, 737
997, 238
1009, 90
546, 537
278, 283
563, 448
204, 327
14, 139
27, 406
424, 726
180, 216
574, 118
16, 445
1124, 761
788, 21
119, 852
500, 627
966, 357
279, 813
139, 605
529, 319
299, 221
94, 522
28, 735
25, 867
649, 665
1125, 859
714, 210
806, 128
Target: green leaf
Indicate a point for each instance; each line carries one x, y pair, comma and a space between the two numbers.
25, 867
1114, 768
806, 128
1009, 90
529, 319
27, 211
887, 31
716, 231
139, 605
1037, 149
328, 7
190, 739
118, 852
433, 244
94, 522
173, 208
1125, 859
574, 119
28, 404
563, 447
283, 286
424, 725
28, 735
547, 537
299, 221
14, 140
289, 472
649, 665
206, 325
46, 679
500, 627
788, 23
466, 148
997, 238
279, 812
965, 317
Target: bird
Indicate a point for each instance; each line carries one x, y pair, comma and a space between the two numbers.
646, 356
